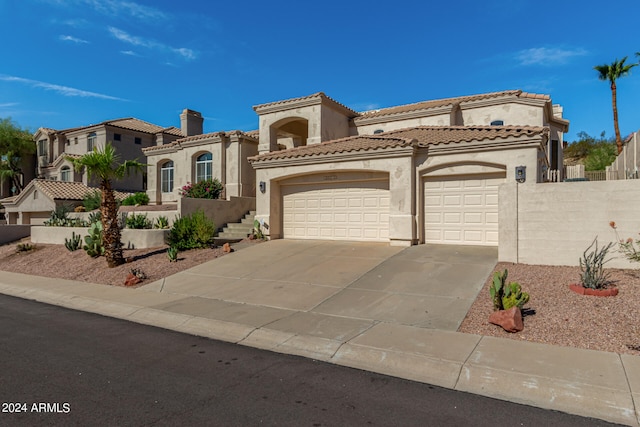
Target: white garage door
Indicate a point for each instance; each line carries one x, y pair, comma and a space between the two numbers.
337, 211
462, 211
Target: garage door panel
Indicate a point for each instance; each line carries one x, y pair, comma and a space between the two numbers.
337, 210
462, 211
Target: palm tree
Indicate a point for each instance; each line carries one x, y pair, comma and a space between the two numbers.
105, 166
611, 73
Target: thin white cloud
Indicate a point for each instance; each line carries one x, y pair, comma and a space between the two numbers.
547, 56
8, 104
66, 38
62, 90
365, 106
129, 53
123, 36
117, 8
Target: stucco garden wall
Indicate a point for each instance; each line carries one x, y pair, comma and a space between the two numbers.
12, 232
220, 211
131, 239
554, 223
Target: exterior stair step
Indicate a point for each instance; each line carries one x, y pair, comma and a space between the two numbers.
238, 230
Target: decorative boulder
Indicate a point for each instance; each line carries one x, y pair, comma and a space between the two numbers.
226, 248
510, 320
132, 280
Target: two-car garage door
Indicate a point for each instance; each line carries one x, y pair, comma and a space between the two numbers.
356, 211
462, 210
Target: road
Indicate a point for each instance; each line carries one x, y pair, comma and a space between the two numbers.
63, 367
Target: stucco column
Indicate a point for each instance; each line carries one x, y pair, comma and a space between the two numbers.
267, 205
402, 219
508, 221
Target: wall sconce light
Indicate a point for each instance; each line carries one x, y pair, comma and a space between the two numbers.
521, 174
263, 187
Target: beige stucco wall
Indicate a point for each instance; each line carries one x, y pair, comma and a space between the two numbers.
511, 113
443, 119
131, 239
554, 223
220, 211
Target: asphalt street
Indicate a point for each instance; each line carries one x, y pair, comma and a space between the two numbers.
63, 367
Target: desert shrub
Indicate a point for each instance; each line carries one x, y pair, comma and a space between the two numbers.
92, 200
95, 217
592, 274
138, 221
207, 189
600, 157
192, 231
60, 218
161, 222
136, 199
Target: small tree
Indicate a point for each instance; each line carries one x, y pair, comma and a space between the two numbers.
105, 165
16, 144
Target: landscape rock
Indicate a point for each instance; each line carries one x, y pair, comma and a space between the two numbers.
226, 248
510, 320
132, 280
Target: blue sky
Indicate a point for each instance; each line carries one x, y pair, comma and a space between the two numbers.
68, 63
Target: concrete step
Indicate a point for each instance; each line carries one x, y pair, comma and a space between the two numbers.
238, 230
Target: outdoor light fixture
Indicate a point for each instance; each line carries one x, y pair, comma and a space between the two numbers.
263, 187
521, 174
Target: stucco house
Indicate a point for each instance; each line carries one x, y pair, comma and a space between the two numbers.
427, 172
128, 136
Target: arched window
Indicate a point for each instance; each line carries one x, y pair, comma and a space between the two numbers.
65, 174
204, 167
166, 177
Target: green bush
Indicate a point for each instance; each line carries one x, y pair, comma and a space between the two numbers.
207, 189
161, 222
192, 231
138, 221
136, 199
600, 157
60, 218
92, 200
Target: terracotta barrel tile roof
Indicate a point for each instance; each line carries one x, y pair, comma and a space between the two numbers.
178, 142
303, 98
421, 136
62, 190
423, 105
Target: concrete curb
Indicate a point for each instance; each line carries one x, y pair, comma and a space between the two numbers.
583, 382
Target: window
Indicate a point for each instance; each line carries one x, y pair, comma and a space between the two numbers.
91, 141
497, 123
203, 167
75, 140
42, 148
166, 177
137, 140
117, 137
65, 174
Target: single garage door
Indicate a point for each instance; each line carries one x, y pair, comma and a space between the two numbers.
462, 210
356, 211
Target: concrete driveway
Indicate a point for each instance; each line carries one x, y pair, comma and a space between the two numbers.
334, 289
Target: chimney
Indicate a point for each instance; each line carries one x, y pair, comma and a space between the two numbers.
191, 122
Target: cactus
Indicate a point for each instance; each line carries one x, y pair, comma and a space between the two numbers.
93, 241
496, 289
505, 295
172, 253
514, 297
74, 243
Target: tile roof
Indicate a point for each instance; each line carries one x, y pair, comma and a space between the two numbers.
62, 190
303, 98
172, 130
178, 142
421, 136
135, 125
423, 105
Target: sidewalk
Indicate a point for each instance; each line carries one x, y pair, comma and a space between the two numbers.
358, 305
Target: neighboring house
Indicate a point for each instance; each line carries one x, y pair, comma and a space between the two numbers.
627, 163
221, 155
421, 173
40, 197
128, 136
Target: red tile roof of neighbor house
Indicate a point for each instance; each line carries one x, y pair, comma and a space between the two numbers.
204, 136
423, 105
421, 136
303, 98
63, 190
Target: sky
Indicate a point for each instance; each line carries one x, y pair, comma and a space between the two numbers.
72, 63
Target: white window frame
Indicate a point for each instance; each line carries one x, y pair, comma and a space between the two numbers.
92, 139
204, 167
65, 174
166, 177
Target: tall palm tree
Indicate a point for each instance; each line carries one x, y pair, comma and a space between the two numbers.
105, 165
611, 73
